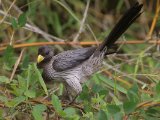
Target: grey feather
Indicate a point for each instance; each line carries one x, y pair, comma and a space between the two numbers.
72, 58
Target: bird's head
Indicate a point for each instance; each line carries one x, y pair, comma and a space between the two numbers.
45, 53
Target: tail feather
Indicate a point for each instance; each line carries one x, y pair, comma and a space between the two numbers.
127, 19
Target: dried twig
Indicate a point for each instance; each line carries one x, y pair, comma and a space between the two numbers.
82, 22
16, 64
154, 20
148, 104
5, 15
78, 43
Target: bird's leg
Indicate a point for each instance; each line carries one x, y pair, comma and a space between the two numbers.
66, 97
74, 86
73, 99
69, 94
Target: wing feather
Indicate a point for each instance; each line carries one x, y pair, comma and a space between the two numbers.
71, 58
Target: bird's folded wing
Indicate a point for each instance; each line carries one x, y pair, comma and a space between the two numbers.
71, 58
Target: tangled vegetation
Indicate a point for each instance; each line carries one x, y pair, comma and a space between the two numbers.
128, 86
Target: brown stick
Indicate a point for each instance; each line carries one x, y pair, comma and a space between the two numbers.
154, 20
16, 64
79, 43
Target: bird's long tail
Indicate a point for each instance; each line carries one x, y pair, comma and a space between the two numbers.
126, 20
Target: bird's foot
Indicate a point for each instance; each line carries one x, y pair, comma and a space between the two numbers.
73, 100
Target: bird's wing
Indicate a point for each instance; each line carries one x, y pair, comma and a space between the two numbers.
71, 58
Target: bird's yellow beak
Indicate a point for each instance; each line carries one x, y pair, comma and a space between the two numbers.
40, 58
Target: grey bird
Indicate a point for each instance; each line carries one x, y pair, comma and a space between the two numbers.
73, 67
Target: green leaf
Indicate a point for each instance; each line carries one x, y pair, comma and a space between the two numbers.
158, 88
70, 112
103, 92
2, 112
17, 91
21, 82
14, 23
56, 103
113, 109
31, 12
30, 93
16, 101
96, 88
40, 79
118, 116
56, 23
3, 98
9, 57
153, 113
102, 115
37, 111
87, 106
4, 79
145, 97
134, 88
22, 20
62, 113
132, 93
129, 106
85, 95
25, 61
29, 77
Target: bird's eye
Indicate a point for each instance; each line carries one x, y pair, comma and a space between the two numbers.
47, 52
